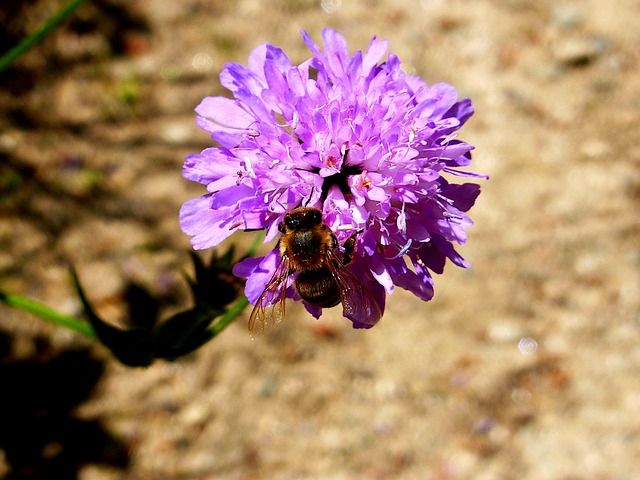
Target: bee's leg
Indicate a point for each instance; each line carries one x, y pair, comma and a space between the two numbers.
349, 246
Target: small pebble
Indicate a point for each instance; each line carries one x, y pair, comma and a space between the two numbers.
579, 52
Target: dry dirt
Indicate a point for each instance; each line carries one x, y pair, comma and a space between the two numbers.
526, 365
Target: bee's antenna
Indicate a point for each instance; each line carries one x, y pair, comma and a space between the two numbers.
310, 195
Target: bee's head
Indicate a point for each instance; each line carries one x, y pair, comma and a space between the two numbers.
300, 219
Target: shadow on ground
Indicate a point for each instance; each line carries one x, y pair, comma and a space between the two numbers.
40, 435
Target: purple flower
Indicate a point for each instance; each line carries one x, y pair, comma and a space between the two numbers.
357, 139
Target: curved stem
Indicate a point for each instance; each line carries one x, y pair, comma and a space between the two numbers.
238, 307
227, 319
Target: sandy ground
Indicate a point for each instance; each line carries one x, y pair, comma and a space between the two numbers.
526, 366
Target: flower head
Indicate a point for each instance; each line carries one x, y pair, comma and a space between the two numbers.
352, 136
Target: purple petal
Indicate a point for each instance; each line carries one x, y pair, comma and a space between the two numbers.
258, 271
207, 227
225, 114
374, 54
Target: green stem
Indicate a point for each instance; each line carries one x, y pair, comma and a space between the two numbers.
42, 31
227, 319
47, 313
242, 303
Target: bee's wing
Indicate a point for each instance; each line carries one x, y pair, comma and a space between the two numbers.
357, 303
269, 309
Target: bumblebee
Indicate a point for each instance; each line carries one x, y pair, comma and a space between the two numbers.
310, 248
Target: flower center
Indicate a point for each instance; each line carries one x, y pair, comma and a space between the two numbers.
339, 180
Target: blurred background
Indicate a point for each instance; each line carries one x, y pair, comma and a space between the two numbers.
526, 365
